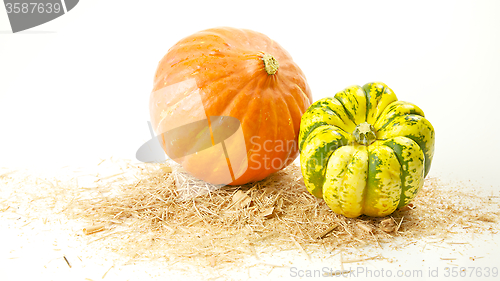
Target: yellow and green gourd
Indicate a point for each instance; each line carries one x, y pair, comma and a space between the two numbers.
365, 152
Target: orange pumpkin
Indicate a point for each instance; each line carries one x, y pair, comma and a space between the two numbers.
229, 72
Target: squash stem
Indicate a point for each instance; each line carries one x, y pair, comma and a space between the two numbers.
271, 65
365, 134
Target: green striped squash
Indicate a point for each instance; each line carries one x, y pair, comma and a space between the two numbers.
365, 152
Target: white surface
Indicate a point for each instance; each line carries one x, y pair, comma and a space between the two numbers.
76, 89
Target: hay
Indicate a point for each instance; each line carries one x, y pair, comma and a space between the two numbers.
156, 210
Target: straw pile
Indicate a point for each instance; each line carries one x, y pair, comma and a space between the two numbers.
157, 210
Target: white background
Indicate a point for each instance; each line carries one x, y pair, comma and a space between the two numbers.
76, 90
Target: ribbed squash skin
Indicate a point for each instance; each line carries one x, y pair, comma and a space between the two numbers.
356, 179
223, 69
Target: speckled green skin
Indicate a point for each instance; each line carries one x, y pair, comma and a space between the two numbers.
373, 178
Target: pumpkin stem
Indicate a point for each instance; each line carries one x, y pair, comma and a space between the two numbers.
271, 65
365, 134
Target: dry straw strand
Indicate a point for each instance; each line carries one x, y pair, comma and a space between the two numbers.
158, 210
